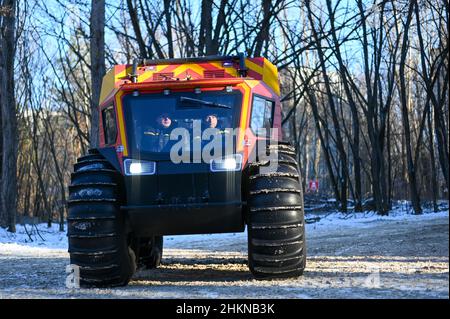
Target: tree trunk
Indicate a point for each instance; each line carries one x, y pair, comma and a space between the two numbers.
219, 23
441, 131
3, 215
354, 111
326, 150
132, 11
9, 120
389, 161
205, 37
97, 21
415, 198
169, 27
441, 144
263, 34
434, 181
343, 178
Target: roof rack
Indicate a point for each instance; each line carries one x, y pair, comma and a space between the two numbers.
241, 57
189, 60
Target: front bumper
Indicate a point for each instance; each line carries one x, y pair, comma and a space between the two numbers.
180, 219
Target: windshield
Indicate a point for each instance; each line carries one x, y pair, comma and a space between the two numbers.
151, 118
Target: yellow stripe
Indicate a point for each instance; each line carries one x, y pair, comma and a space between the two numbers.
253, 66
148, 74
252, 83
121, 122
245, 109
229, 70
107, 85
194, 67
270, 76
124, 73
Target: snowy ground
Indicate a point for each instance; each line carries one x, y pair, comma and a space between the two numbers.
351, 256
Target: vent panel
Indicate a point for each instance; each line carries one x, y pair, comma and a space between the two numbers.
212, 74
161, 76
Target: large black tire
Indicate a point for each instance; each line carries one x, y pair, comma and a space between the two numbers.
275, 218
98, 241
150, 252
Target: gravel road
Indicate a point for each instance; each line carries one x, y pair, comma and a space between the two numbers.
406, 258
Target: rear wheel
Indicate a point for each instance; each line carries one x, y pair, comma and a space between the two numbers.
98, 241
275, 218
150, 252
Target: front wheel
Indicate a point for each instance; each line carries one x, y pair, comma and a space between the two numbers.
98, 241
275, 218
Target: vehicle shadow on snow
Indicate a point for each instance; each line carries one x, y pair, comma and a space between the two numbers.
189, 270
182, 270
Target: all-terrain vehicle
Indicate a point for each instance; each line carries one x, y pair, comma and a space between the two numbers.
129, 192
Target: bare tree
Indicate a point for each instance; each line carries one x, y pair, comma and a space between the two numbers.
97, 50
415, 198
344, 175
205, 36
355, 145
365, 87
9, 120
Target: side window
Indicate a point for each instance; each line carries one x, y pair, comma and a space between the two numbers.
262, 110
109, 125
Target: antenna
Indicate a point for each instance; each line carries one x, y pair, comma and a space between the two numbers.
134, 74
242, 68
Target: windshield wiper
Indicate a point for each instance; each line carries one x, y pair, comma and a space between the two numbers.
208, 103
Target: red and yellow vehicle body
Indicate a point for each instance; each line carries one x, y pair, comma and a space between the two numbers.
210, 73
187, 198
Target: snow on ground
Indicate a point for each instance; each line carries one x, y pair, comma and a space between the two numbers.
36, 238
364, 219
315, 223
407, 256
39, 236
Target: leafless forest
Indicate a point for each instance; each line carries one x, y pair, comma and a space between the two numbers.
364, 84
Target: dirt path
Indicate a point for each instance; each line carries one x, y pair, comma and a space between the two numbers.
377, 259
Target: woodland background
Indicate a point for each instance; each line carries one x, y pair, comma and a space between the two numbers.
365, 88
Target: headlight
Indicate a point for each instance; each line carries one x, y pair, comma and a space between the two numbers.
228, 163
138, 167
